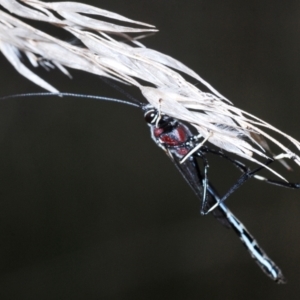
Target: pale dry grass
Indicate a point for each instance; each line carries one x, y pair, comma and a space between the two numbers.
112, 51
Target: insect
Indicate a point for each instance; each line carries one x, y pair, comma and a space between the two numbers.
212, 115
178, 142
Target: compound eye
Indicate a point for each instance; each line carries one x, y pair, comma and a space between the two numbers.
151, 116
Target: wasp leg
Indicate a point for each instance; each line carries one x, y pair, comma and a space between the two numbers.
246, 176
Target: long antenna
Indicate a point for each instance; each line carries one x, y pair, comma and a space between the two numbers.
137, 104
118, 88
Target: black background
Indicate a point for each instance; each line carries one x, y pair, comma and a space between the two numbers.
90, 208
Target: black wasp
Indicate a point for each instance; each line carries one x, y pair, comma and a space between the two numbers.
176, 139
178, 142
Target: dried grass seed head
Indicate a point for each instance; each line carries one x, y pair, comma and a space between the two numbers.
127, 60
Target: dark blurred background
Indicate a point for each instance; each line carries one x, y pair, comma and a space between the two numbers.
91, 208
